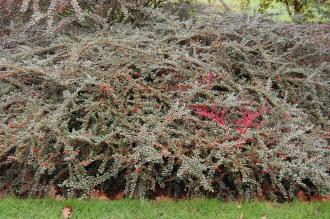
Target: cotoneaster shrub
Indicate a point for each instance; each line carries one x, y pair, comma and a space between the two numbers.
220, 105
58, 13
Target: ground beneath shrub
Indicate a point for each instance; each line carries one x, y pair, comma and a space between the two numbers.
200, 208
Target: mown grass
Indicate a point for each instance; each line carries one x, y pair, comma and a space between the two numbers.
200, 208
235, 5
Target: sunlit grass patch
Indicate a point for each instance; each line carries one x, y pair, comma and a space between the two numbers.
200, 208
276, 8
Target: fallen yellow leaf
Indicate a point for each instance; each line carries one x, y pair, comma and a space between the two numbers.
67, 212
241, 216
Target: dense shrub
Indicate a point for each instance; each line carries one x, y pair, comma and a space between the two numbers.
220, 105
58, 13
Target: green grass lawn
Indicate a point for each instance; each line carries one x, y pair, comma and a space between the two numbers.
278, 9
275, 8
203, 208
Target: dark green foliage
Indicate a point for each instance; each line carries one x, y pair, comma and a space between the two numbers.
220, 105
303, 10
